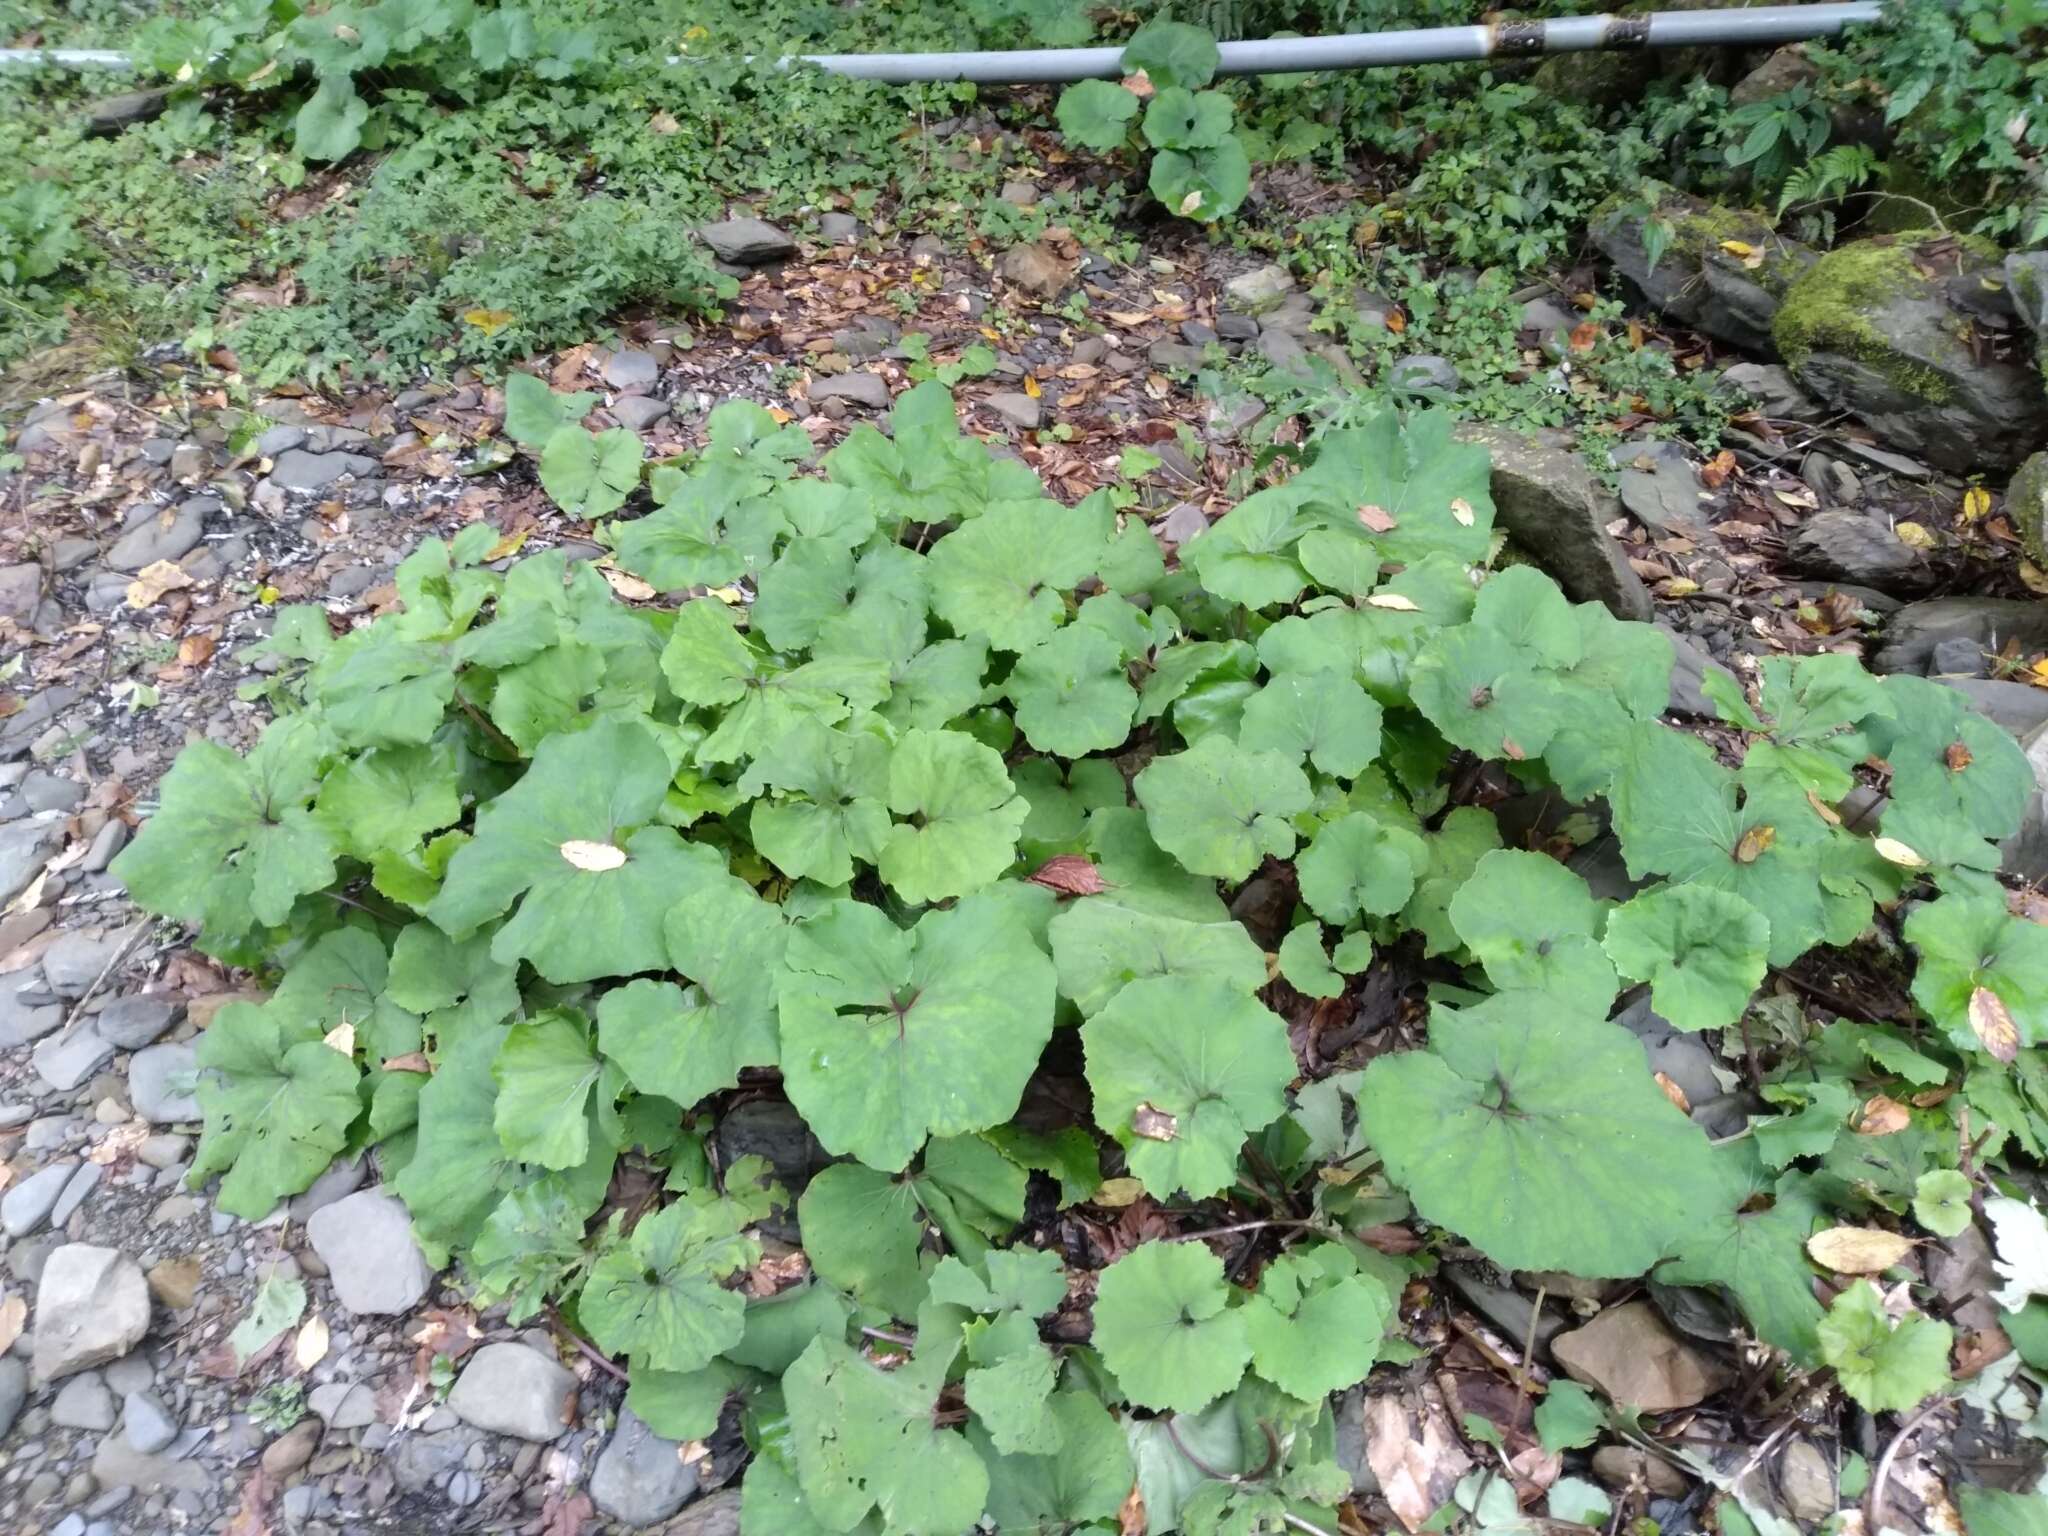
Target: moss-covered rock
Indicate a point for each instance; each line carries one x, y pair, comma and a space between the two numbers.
2026, 507
1724, 271
1888, 328
2026, 281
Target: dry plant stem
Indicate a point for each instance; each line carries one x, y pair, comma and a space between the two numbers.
585, 1348
1522, 1382
902, 1341
1873, 1511
1241, 1226
121, 954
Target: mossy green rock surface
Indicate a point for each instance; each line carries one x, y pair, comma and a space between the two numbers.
1888, 328
2026, 504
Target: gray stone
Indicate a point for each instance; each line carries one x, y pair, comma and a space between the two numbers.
1259, 289
747, 242
280, 439
1286, 353
92, 1306
1685, 1060
1697, 280
297, 469
163, 536
117, 1464
1689, 668
1911, 634
636, 413
1167, 353
1349, 1423
23, 1207
1660, 488
344, 1404
1957, 657
1806, 1483
1631, 1355
13, 1391
66, 1059
510, 1389
1549, 503
133, 1022
1552, 323
21, 589
1424, 373
717, 1514
1017, 408
464, 1488
133, 1372
374, 1260
84, 1402
160, 1082
631, 370
1019, 194
43, 790
76, 1188
639, 1478
340, 1177
111, 114
1868, 331
772, 1129
24, 846
2017, 707
1854, 546
1784, 70
839, 228
78, 959
860, 388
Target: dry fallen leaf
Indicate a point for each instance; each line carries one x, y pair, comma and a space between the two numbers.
1394, 602
1412, 1449
1957, 756
1131, 1518
593, 857
1375, 519
1881, 1116
1069, 874
1857, 1250
1154, 1124
631, 588
1461, 510
154, 581
1715, 472
195, 650
1755, 843
13, 1317
1892, 851
1674, 1093
1993, 1024
310, 1347
341, 1038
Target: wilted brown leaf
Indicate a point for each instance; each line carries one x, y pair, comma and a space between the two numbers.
1131, 1519
565, 1514
13, 1317
1715, 472
1994, 1026
1857, 1250
310, 1347
1069, 874
1881, 1116
1413, 1451
1755, 843
154, 581
411, 1061
1957, 756
1376, 519
1674, 1093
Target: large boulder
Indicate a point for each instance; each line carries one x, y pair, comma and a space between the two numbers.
1888, 328
92, 1306
2026, 507
1721, 270
1546, 499
2026, 281
1989, 623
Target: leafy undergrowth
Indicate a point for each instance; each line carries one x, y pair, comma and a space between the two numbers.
923, 813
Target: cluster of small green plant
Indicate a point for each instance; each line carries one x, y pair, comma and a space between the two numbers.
1200, 170
937, 787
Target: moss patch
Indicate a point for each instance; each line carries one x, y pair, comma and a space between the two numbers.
1831, 309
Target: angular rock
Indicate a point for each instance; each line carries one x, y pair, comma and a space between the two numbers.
292, 1449
374, 1260
715, 1515
1784, 70
81, 1183
1037, 269
747, 242
636, 413
1017, 408
23, 847
64, 1060
425, 1459
344, 1404
1619, 1465
868, 389
1424, 373
117, 1464
24, 1206
1698, 280
1549, 503
639, 1479
110, 114
77, 960
1261, 288
21, 589
92, 1306
1776, 393
1883, 328
1660, 487
13, 1391
1689, 668
1911, 634
297, 469
839, 228
510, 1389
2018, 707
133, 1022
160, 1084
1853, 546
2026, 504
160, 537
22, 1021
148, 1425
1631, 1354
1806, 1483
627, 369
84, 1402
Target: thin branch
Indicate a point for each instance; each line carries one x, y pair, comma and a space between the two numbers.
1306, 1527
1241, 1226
1522, 1382
902, 1341
585, 1348
1874, 1511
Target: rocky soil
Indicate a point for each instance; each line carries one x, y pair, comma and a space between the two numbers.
155, 520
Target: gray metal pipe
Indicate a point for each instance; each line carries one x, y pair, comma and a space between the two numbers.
1755, 26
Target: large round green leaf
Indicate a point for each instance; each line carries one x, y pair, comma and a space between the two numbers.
1532, 923
1360, 865
1096, 113
964, 816
1204, 184
1163, 1326
1172, 53
1071, 693
1702, 951
1182, 119
660, 1296
1539, 1136
1219, 808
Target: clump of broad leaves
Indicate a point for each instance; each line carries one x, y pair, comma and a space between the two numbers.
924, 815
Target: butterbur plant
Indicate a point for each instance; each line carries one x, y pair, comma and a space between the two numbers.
1199, 168
923, 815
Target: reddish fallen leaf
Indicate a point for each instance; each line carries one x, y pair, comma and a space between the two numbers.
1389, 1239
1585, 336
411, 1061
253, 1517
1375, 519
1069, 874
1715, 472
1674, 1093
1131, 1519
1957, 757
562, 1515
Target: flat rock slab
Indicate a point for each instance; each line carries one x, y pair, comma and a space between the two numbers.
747, 242
92, 1306
23, 1207
639, 1479
298, 470
66, 1060
366, 1242
509, 1389
133, 1022
164, 536
1631, 1354
868, 389
160, 1084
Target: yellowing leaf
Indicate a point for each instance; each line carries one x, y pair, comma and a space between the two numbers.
341, 1038
1881, 1116
1114, 1194
267, 594
1993, 1024
1755, 843
1393, 601
593, 857
1857, 1250
155, 580
1892, 851
1976, 502
1680, 586
1192, 203
732, 597
1031, 387
489, 321
508, 546
310, 1347
1913, 536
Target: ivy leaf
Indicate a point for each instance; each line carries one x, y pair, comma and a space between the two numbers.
1096, 114
1101, 943
544, 1073
967, 817
330, 125
836, 782
235, 838
686, 1044
1315, 1323
1323, 716
278, 1103
1751, 1240
865, 1440
1702, 951
590, 474
1178, 118
1071, 694
1530, 921
534, 413
1172, 53
658, 1296
1886, 1367
1182, 1070
890, 1036
1359, 865
1540, 1137
1247, 555
588, 906
1084, 1482
1968, 942
1164, 1327
1002, 575
1219, 808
